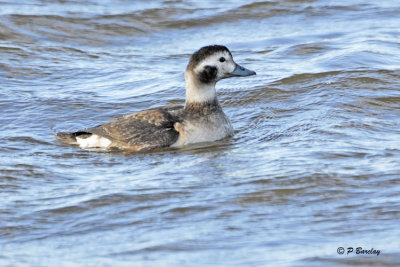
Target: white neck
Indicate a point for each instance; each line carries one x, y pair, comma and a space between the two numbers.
198, 92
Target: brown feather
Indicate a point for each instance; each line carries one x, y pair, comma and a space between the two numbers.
142, 130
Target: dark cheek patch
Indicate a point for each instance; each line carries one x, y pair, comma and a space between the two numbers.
208, 74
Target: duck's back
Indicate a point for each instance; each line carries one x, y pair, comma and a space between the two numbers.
143, 130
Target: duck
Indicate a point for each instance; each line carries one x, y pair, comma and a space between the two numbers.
200, 120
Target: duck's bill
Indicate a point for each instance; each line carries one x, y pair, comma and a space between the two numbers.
241, 72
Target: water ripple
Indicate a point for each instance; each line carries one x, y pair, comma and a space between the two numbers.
312, 165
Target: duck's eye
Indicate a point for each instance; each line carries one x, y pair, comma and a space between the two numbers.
221, 59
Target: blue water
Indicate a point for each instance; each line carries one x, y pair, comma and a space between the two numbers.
313, 165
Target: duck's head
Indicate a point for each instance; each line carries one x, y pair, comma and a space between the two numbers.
207, 66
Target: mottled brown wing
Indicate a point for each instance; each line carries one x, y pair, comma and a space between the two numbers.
146, 129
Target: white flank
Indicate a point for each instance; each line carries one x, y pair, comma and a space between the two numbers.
93, 141
216, 128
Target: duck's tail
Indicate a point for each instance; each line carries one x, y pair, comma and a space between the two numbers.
70, 138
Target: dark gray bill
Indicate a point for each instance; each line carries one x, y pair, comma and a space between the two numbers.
241, 71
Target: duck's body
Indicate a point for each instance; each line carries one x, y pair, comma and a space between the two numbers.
200, 120
202, 123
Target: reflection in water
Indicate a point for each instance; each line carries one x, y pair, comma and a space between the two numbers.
312, 166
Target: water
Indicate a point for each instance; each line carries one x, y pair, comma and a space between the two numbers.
313, 165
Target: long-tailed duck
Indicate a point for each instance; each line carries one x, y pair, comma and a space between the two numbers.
200, 120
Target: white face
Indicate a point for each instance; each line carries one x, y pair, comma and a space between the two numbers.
223, 61
200, 81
